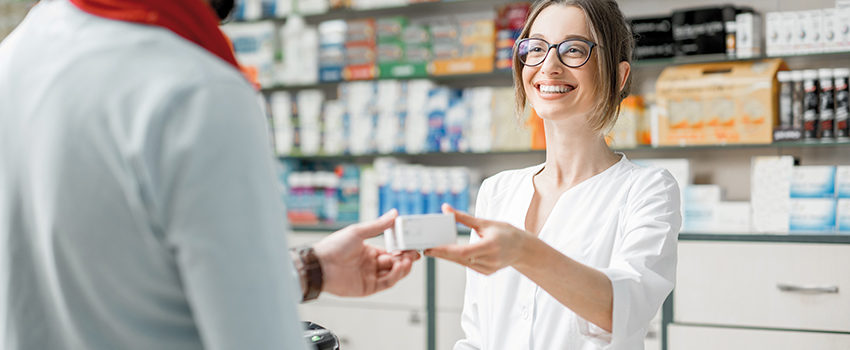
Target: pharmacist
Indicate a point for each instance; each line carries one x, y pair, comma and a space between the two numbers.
138, 200
578, 252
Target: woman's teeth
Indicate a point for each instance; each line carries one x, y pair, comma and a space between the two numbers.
555, 89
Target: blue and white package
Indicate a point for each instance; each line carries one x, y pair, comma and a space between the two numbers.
843, 210
842, 181
813, 182
812, 215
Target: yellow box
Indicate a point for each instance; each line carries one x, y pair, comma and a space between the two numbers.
718, 103
468, 65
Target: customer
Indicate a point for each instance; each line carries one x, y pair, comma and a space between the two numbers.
139, 206
587, 250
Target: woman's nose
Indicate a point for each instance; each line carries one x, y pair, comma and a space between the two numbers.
552, 64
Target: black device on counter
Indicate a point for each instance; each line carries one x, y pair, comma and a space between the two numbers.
319, 337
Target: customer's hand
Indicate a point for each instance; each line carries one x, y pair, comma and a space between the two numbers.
353, 268
501, 244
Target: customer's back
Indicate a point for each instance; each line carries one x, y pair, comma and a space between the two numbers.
137, 208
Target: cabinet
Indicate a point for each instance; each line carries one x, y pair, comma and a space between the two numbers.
781, 292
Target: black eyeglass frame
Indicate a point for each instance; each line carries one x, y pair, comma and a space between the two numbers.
549, 49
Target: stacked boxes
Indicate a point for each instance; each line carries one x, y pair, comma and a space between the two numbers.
360, 50
807, 32
464, 44
509, 21
331, 50
842, 188
812, 199
403, 48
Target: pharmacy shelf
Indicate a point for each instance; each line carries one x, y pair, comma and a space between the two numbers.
505, 78
413, 10
834, 238
720, 58
495, 78
777, 146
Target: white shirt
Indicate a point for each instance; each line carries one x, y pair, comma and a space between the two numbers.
138, 200
623, 221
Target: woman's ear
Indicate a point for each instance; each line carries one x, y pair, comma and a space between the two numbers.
624, 70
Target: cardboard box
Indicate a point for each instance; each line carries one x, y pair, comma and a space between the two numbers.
718, 103
701, 31
813, 182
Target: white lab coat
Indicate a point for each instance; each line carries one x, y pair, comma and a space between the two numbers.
138, 200
623, 221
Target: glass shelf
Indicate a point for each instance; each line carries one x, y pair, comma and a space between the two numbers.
778, 145
834, 238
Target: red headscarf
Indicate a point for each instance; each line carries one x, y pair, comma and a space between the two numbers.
192, 19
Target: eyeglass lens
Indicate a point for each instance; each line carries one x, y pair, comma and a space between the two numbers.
572, 53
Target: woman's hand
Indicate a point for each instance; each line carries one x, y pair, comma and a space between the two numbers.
501, 244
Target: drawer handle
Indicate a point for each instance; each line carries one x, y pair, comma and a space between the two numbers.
791, 288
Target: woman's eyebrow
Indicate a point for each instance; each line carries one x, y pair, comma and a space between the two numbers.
567, 37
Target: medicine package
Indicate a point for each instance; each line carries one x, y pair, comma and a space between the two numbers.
418, 232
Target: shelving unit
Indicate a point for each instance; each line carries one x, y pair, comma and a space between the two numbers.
727, 165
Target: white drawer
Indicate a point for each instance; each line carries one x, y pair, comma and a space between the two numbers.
681, 337
371, 328
738, 284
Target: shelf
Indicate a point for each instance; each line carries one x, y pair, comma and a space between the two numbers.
778, 146
779, 238
495, 78
415, 10
505, 78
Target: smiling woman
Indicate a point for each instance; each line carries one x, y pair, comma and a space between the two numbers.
578, 252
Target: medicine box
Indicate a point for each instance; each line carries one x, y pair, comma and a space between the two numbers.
773, 38
812, 215
748, 35
843, 215
418, 232
813, 182
842, 181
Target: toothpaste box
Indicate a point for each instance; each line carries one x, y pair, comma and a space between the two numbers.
843, 212
842, 181
813, 182
812, 215
419, 232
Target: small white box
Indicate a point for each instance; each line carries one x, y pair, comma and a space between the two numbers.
813, 182
770, 188
812, 215
732, 217
813, 41
829, 30
792, 29
419, 232
842, 181
774, 43
843, 215
749, 35
842, 29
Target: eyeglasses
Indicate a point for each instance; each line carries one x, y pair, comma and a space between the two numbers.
573, 53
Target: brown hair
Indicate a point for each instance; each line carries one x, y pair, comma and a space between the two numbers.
615, 43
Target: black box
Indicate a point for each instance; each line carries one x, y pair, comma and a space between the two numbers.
701, 31
653, 37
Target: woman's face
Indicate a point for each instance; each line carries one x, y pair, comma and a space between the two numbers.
553, 89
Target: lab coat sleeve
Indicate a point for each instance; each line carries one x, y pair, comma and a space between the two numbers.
470, 321
223, 219
643, 264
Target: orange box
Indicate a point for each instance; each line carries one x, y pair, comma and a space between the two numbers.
462, 66
718, 103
